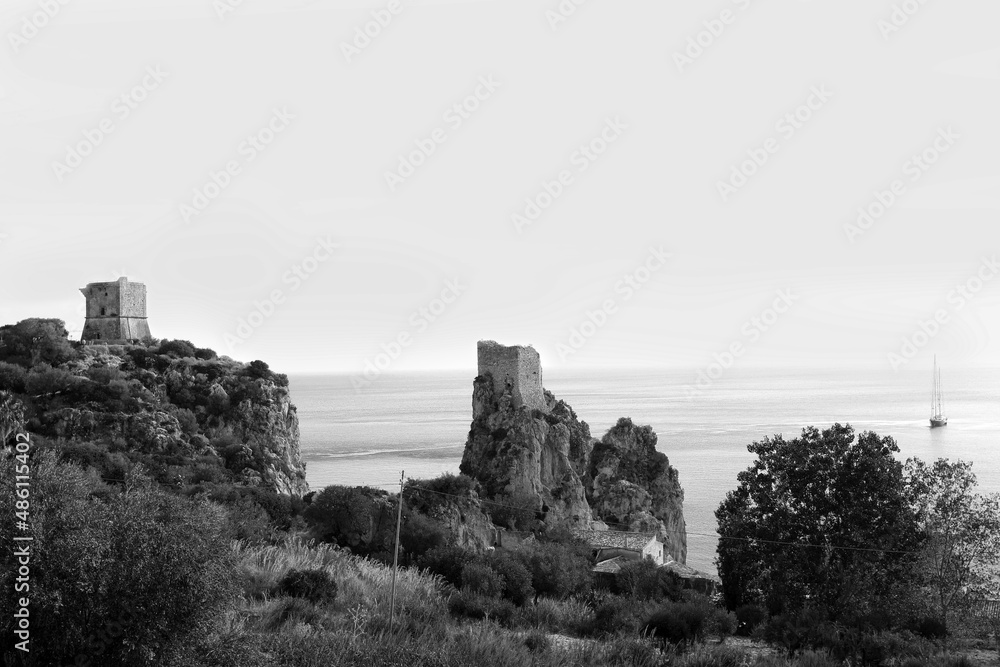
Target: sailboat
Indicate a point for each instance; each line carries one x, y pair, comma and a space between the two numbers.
937, 413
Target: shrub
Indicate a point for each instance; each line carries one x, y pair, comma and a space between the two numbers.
177, 348
931, 628
537, 642
516, 578
569, 616
644, 580
258, 369
12, 377
155, 567
470, 605
317, 586
557, 569
481, 579
419, 534
615, 614
447, 562
748, 618
678, 622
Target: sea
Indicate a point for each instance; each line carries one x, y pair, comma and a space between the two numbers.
416, 423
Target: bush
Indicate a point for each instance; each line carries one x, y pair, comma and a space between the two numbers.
644, 580
419, 534
616, 614
481, 579
317, 586
177, 348
448, 562
678, 622
557, 569
156, 568
12, 377
259, 370
470, 605
931, 628
570, 616
748, 618
537, 642
516, 578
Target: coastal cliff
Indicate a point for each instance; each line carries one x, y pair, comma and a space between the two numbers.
185, 414
544, 461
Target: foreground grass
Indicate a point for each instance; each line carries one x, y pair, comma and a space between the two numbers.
271, 629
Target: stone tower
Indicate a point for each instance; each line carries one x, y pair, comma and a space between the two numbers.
116, 312
517, 367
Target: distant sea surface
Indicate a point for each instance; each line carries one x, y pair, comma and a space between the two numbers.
418, 422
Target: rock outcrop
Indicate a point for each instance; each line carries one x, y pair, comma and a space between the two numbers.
187, 415
545, 463
634, 486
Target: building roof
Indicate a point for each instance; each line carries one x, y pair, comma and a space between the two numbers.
615, 539
610, 566
688, 572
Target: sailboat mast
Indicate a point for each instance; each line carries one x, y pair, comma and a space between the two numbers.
934, 387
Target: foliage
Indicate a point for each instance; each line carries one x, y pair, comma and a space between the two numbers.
678, 622
516, 577
558, 569
153, 567
519, 511
361, 518
427, 495
11, 417
748, 618
962, 556
34, 341
315, 585
447, 562
470, 604
12, 377
805, 517
481, 579
418, 535
644, 580
177, 348
638, 463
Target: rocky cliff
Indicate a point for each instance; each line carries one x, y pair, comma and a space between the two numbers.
546, 463
187, 415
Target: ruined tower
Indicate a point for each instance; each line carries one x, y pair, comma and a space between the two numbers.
516, 367
116, 312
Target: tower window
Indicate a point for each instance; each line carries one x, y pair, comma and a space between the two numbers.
102, 311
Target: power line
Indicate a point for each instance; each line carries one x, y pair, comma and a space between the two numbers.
418, 489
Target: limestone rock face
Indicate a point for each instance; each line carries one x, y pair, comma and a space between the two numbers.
545, 462
526, 456
273, 426
634, 485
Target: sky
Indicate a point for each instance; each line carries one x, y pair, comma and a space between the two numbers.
620, 184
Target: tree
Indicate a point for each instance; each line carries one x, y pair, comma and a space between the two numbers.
34, 341
360, 518
823, 519
118, 576
961, 559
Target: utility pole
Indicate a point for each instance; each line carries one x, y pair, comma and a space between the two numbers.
395, 554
